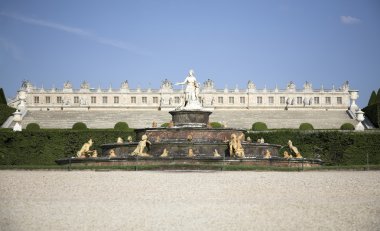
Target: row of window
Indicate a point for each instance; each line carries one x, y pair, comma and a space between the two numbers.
283, 100
231, 100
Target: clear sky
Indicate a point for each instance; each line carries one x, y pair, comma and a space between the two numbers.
269, 42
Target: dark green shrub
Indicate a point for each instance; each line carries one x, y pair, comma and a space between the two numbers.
121, 126
259, 126
216, 125
45, 146
3, 100
5, 112
306, 126
79, 126
165, 125
372, 99
347, 126
372, 112
32, 127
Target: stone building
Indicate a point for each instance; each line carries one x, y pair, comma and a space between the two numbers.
285, 107
167, 98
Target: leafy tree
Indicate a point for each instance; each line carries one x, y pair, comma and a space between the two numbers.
372, 99
378, 96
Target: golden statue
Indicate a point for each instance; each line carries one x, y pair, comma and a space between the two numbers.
189, 138
119, 140
267, 154
287, 155
154, 124
94, 154
86, 152
294, 149
165, 153
142, 147
216, 153
171, 124
112, 153
190, 153
158, 139
236, 149
129, 139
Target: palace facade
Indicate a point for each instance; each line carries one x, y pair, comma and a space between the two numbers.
168, 98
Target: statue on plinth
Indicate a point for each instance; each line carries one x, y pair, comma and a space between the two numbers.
142, 147
236, 149
191, 92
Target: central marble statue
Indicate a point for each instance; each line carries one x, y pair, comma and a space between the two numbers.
191, 101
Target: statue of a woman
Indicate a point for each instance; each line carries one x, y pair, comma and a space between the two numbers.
191, 85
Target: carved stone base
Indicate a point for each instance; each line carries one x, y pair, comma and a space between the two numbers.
187, 118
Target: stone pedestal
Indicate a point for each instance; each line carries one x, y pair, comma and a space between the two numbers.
185, 118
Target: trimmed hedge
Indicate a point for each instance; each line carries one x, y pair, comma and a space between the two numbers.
259, 126
306, 126
165, 125
216, 125
79, 126
121, 126
42, 147
333, 147
347, 126
32, 127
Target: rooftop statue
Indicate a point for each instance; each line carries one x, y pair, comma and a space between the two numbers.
67, 85
191, 92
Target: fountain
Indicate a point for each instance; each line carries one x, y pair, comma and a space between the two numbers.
190, 139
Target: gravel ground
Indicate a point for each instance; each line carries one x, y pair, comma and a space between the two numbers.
169, 200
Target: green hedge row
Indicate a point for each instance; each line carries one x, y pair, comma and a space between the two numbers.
333, 147
45, 146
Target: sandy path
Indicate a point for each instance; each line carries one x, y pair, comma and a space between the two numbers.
88, 200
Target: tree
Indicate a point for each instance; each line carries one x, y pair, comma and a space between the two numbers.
378, 96
372, 99
3, 100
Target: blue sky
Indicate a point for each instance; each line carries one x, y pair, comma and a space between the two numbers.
269, 42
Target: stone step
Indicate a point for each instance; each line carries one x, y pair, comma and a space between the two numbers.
233, 118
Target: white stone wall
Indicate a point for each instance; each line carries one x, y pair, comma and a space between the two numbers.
165, 98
